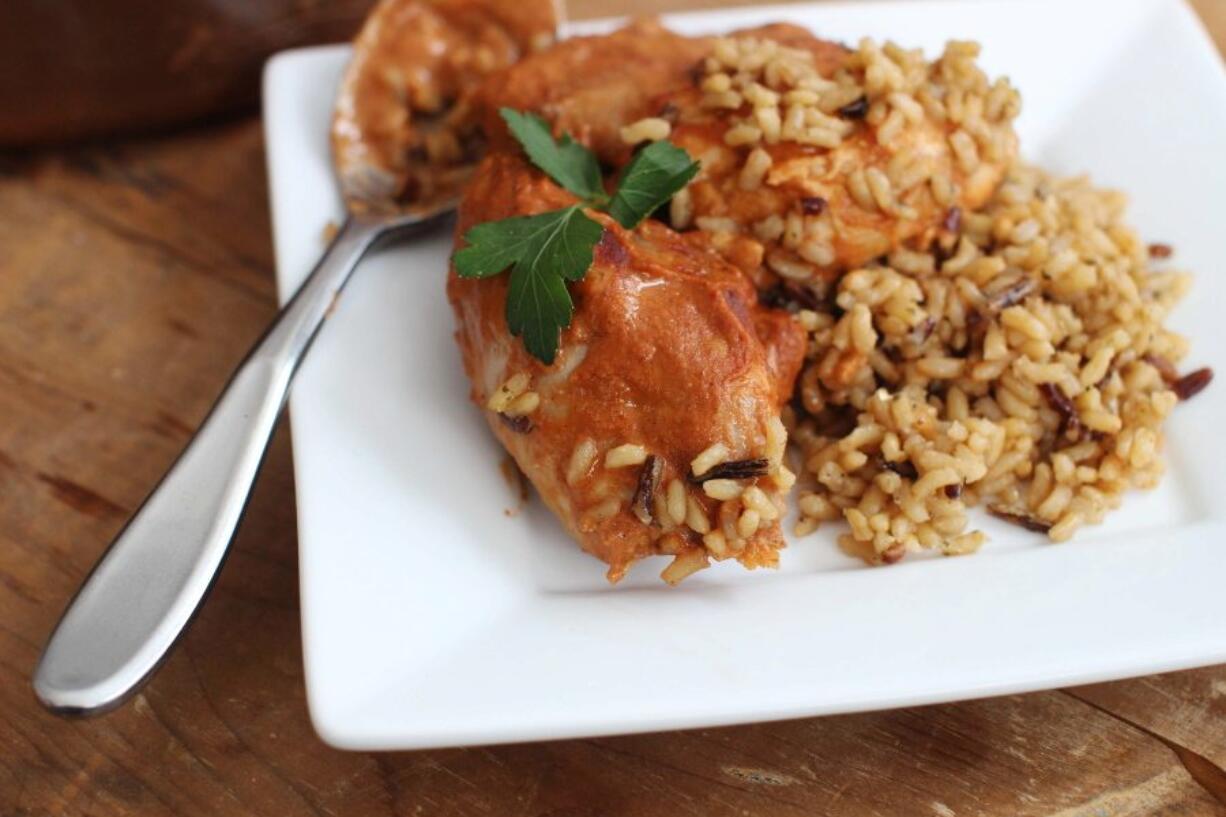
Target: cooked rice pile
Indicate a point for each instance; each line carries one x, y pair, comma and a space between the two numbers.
1022, 364
887, 86
1014, 357
876, 118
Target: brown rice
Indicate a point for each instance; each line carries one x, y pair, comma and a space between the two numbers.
1021, 363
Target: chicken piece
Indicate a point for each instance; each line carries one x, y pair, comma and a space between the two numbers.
404, 126
590, 87
816, 158
668, 356
831, 158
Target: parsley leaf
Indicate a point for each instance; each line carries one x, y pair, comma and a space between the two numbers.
652, 177
544, 251
496, 245
566, 161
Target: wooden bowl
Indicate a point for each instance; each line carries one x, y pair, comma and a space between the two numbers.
81, 68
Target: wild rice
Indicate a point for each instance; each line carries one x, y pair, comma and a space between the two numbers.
767, 94
985, 370
736, 469
643, 502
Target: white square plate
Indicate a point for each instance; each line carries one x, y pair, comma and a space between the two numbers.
432, 618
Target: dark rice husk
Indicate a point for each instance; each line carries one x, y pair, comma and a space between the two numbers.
644, 492
735, 469
1020, 519
1192, 383
521, 424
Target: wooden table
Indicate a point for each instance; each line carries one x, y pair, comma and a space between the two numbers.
133, 276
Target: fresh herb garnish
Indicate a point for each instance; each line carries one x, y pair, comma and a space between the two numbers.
566, 161
651, 178
543, 251
546, 250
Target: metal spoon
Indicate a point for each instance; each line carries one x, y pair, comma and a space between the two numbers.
150, 582
141, 595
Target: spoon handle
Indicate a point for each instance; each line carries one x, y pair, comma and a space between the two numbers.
149, 583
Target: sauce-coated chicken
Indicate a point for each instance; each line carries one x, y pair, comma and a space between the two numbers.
668, 354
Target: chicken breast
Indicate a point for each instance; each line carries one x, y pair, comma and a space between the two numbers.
669, 359
590, 87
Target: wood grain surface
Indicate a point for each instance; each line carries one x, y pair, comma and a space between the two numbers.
132, 278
